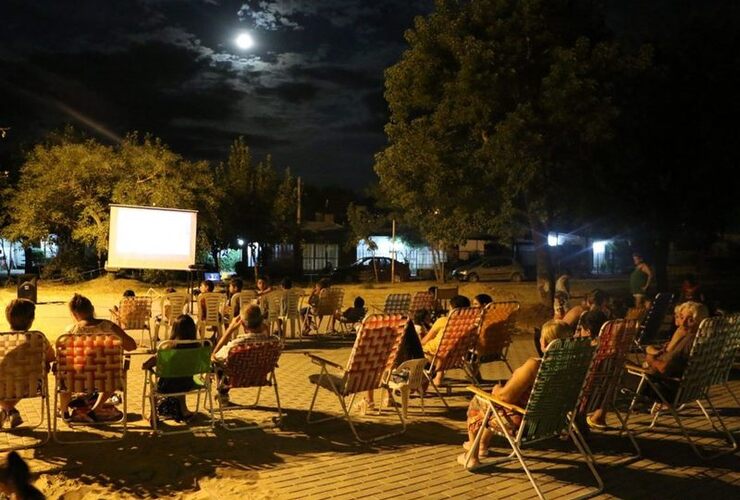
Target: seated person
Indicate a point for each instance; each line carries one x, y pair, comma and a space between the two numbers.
422, 322
166, 312
515, 391
318, 291
231, 306
15, 479
481, 300
263, 286
206, 286
353, 314
20, 314
87, 407
590, 324
430, 342
115, 313
691, 290
183, 328
559, 305
247, 327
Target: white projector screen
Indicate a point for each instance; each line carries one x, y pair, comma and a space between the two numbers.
151, 238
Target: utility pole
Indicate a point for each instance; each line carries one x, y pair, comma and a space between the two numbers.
298, 212
393, 250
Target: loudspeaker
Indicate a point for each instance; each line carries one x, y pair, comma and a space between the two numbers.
28, 290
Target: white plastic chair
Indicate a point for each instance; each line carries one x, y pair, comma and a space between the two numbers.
412, 381
212, 317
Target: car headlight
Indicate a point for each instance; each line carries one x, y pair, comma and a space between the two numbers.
463, 272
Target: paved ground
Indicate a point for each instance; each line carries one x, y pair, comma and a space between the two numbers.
322, 461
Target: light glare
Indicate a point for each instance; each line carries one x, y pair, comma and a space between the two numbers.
244, 41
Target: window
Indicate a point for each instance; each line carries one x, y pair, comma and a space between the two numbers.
318, 256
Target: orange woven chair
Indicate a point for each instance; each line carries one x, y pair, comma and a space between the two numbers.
604, 377
135, 313
421, 300
330, 302
87, 363
23, 375
372, 357
251, 364
494, 335
458, 338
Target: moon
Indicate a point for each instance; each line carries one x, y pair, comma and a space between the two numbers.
244, 41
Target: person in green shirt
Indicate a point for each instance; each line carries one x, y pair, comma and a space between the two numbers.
640, 279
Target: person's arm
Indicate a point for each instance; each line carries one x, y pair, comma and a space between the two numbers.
149, 363
647, 270
434, 330
233, 327
129, 344
519, 382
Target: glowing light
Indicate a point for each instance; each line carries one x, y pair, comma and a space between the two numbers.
599, 247
240, 242
552, 239
244, 41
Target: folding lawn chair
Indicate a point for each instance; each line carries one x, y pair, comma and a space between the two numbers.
23, 375
442, 299
372, 356
179, 359
135, 313
729, 329
605, 375
251, 364
88, 363
551, 408
497, 325
650, 329
458, 339
397, 303
421, 300
330, 303
212, 319
693, 386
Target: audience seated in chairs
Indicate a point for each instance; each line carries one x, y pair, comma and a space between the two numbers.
183, 328
263, 286
247, 327
422, 322
15, 479
319, 289
20, 314
87, 407
515, 391
231, 306
354, 314
115, 313
430, 342
205, 287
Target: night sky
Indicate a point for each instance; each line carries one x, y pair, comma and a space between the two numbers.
310, 92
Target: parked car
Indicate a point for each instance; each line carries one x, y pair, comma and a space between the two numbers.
490, 268
363, 270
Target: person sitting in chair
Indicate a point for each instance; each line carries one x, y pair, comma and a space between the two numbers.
128, 296
319, 289
206, 286
516, 391
353, 314
430, 342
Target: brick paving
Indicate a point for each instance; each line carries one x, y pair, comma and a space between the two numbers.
322, 460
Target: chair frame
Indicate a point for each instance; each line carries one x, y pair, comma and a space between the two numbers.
650, 327
558, 384
694, 384
268, 376
397, 303
421, 300
150, 384
496, 330
144, 323
42, 383
177, 299
115, 351
330, 302
456, 342
214, 301
388, 328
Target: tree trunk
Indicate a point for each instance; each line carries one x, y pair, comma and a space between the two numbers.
545, 276
438, 264
661, 248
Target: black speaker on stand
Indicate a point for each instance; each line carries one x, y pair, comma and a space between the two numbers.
28, 289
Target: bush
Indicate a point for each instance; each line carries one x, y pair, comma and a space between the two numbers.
68, 266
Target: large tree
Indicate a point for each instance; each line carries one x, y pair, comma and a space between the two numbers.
500, 113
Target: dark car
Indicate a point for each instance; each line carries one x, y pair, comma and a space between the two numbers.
364, 270
490, 268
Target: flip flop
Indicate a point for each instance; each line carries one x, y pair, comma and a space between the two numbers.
482, 453
595, 425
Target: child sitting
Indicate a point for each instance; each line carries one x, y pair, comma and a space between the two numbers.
115, 313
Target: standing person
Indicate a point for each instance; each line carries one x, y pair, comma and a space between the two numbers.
20, 314
562, 284
640, 279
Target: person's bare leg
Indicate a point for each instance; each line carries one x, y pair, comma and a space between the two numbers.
8, 404
474, 451
598, 416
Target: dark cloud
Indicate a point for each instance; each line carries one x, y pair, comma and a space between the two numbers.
310, 92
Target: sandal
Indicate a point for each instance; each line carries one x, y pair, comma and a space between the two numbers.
595, 425
482, 453
364, 406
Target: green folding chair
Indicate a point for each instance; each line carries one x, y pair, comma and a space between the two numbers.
551, 408
176, 360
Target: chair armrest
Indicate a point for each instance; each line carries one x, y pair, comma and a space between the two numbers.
126, 362
318, 360
639, 370
493, 399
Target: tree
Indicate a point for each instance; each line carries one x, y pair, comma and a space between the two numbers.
363, 223
500, 112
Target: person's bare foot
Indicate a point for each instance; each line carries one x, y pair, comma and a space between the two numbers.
471, 464
482, 452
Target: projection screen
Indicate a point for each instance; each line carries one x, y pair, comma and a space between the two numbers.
151, 238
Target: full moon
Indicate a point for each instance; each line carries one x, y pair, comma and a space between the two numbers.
244, 41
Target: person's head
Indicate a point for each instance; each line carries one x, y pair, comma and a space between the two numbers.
432, 290
359, 303
263, 283
596, 298
81, 307
236, 285
252, 316
20, 314
183, 328
422, 317
15, 479
286, 284
690, 314
206, 286
459, 301
553, 330
592, 322
690, 280
637, 258
323, 283
129, 294
170, 289
481, 300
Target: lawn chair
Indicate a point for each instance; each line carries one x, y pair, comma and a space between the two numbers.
23, 375
213, 302
330, 303
650, 330
372, 356
407, 377
251, 364
551, 408
730, 331
605, 375
171, 306
174, 361
274, 303
135, 313
291, 315
497, 325
397, 303
442, 299
421, 300
88, 363
246, 298
458, 338
693, 386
